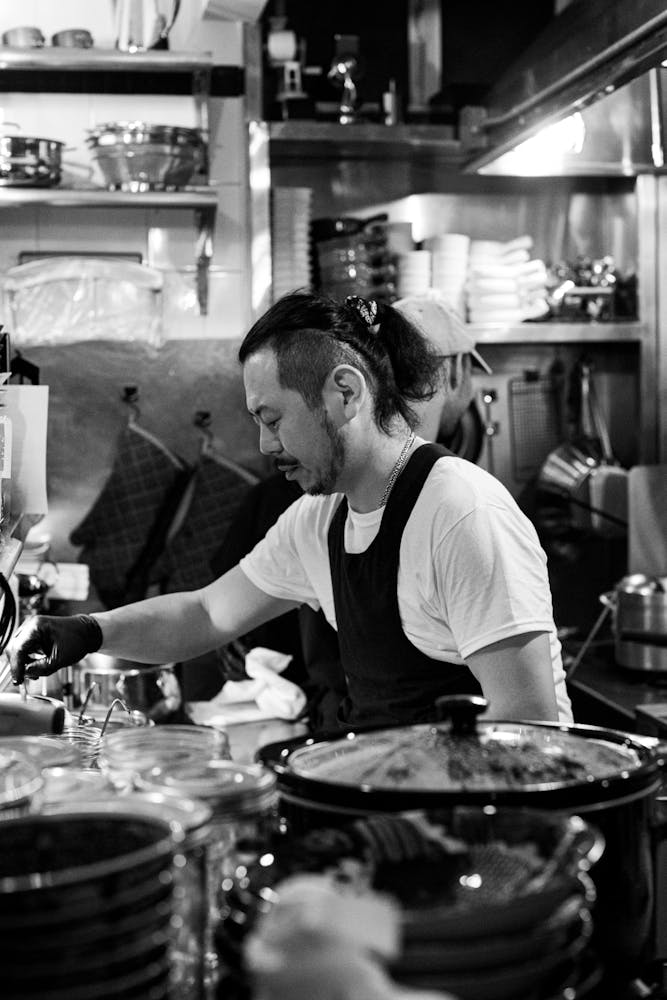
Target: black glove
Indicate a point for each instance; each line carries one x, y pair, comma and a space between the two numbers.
44, 644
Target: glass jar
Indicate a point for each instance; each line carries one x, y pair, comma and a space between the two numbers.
243, 799
128, 756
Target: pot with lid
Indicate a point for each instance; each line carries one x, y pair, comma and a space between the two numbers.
30, 161
608, 777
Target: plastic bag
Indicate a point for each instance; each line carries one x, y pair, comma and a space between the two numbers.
63, 300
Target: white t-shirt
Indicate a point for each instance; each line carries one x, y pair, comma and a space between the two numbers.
471, 567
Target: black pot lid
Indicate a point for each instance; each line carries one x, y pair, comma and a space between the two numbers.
510, 762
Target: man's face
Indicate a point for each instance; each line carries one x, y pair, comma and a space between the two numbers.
304, 443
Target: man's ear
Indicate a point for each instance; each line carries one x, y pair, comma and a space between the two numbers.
344, 391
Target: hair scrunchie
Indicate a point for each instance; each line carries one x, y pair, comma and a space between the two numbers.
366, 310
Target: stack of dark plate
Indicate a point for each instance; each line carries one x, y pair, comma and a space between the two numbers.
495, 905
509, 930
85, 905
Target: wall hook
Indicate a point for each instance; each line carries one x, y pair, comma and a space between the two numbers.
202, 421
130, 397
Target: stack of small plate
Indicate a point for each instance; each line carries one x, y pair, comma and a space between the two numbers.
85, 904
449, 267
414, 273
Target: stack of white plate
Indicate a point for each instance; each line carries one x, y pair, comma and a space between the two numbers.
290, 251
449, 268
414, 273
504, 284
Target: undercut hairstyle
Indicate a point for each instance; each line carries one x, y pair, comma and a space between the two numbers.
310, 334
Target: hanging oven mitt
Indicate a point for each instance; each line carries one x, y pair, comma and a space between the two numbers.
126, 526
215, 493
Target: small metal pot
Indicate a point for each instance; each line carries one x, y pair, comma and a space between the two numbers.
30, 161
73, 38
150, 689
24, 37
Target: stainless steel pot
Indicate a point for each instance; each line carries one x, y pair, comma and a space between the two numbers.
639, 621
152, 690
24, 37
30, 161
608, 777
73, 38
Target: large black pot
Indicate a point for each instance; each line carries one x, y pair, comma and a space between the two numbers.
615, 789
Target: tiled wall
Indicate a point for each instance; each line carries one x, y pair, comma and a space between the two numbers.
196, 368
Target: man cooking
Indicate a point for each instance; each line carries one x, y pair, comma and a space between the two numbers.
422, 561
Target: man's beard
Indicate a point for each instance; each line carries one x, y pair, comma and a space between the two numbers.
326, 484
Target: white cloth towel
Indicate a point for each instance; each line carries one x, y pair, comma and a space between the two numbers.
266, 695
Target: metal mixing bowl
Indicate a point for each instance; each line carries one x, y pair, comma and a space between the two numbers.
136, 156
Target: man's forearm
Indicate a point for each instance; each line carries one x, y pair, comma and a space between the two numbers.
163, 629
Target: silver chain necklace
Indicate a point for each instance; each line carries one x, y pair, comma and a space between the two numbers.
398, 468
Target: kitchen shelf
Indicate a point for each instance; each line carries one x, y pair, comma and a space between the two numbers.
109, 70
305, 140
105, 60
626, 331
202, 200
193, 198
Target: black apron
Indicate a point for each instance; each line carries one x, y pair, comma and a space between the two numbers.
389, 680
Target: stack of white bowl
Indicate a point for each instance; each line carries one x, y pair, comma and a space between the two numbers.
414, 273
290, 251
505, 285
399, 238
449, 267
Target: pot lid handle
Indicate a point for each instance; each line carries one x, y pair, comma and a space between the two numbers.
462, 710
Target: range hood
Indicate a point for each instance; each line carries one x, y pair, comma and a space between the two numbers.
600, 58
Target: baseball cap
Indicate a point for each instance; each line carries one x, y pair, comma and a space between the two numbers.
441, 324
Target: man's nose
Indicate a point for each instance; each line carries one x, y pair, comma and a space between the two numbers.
269, 443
